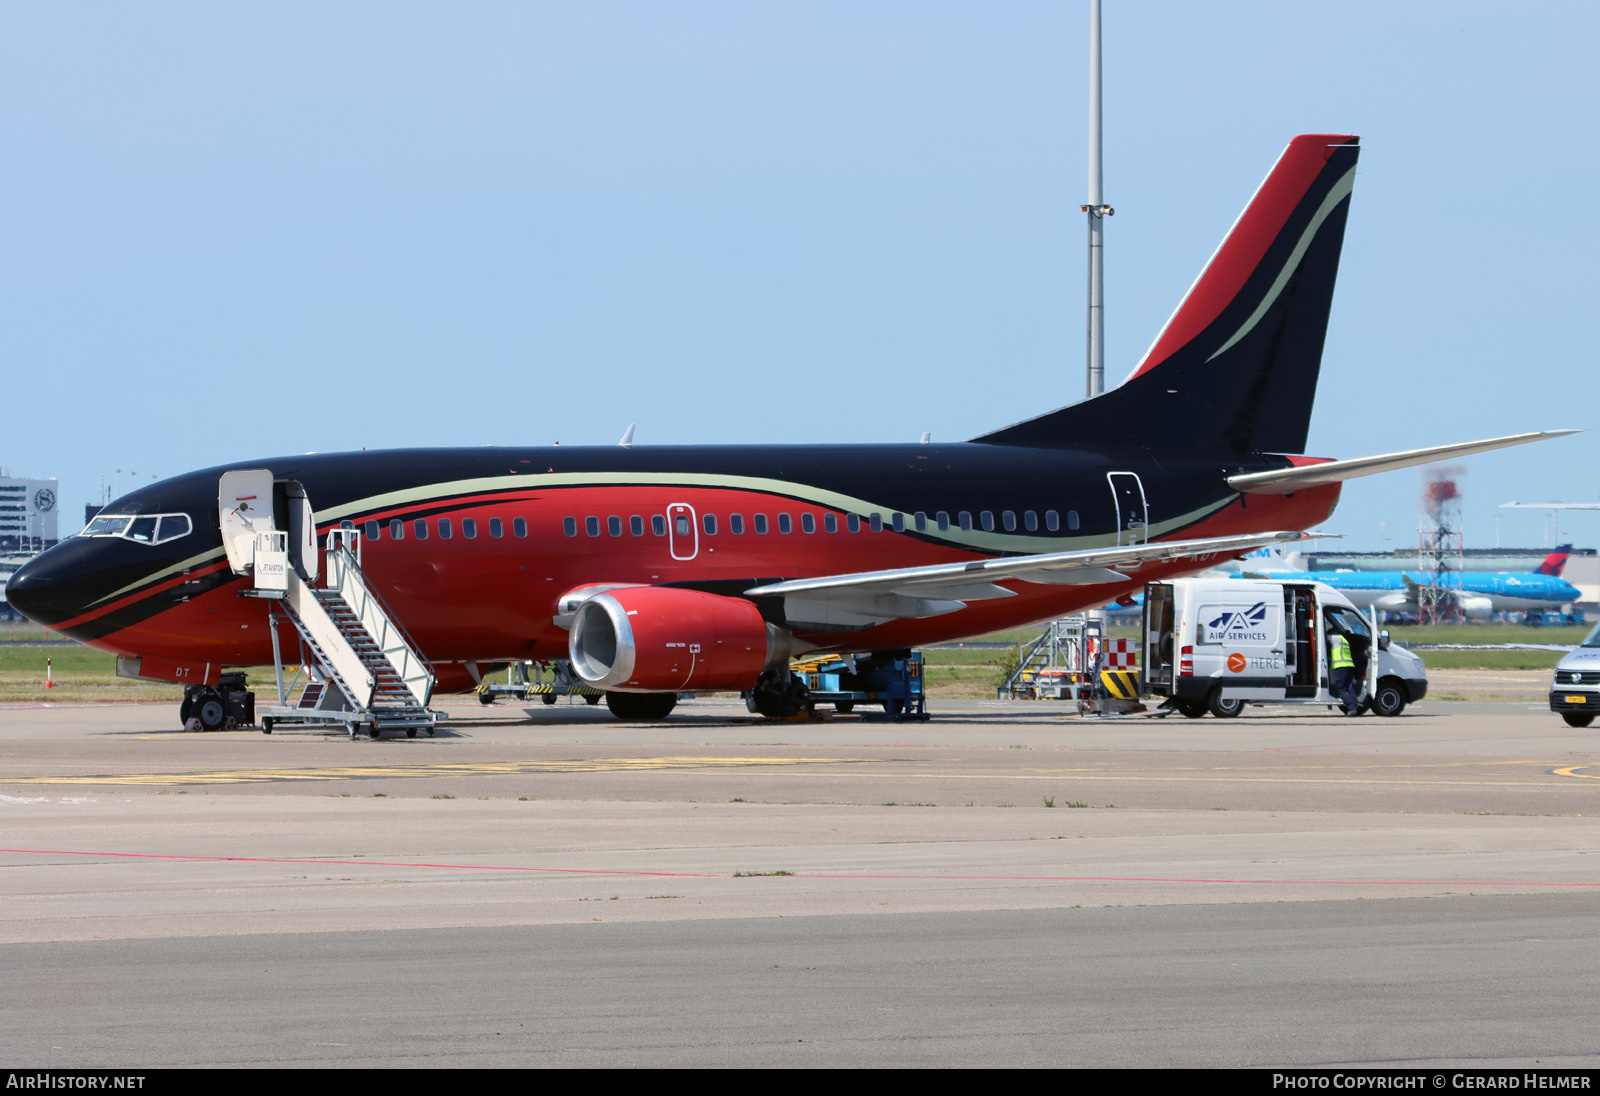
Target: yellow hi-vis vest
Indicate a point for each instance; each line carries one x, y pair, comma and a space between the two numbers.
1340, 654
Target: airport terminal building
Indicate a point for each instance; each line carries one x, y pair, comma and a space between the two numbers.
29, 523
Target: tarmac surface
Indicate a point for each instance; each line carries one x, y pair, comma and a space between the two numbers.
1006, 885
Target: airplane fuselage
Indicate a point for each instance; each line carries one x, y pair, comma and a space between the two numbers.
474, 548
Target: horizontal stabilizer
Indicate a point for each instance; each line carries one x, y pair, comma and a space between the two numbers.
1286, 480
908, 592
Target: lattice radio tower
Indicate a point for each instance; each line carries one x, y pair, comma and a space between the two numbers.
1439, 551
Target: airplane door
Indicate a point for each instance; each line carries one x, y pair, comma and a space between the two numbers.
244, 508
683, 536
1300, 641
302, 527
1127, 494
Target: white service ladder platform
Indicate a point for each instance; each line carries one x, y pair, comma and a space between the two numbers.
358, 665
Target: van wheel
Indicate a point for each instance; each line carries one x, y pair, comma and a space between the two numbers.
1578, 719
1224, 708
1390, 698
1193, 709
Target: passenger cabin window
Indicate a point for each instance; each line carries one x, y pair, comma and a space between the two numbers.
853, 523
920, 520
760, 521
372, 530
497, 528
899, 523
808, 522
614, 525
569, 526
446, 531
830, 522
1051, 521
784, 524
1030, 521
591, 525
420, 527
986, 519
1072, 519
964, 519
736, 524
397, 529
709, 521
519, 527
876, 523
658, 525
942, 519
636, 525
1008, 521
681, 525
469, 528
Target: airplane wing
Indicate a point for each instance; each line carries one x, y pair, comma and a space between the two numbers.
1551, 505
873, 597
1286, 480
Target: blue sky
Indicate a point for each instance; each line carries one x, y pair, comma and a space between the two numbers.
232, 231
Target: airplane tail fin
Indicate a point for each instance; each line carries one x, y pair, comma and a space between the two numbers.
1235, 369
1555, 561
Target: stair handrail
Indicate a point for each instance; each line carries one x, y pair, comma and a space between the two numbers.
343, 570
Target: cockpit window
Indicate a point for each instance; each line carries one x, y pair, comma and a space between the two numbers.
142, 529
106, 527
173, 526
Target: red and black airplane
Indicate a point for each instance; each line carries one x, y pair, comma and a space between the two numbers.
664, 569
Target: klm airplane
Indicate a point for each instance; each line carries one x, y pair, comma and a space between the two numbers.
1481, 594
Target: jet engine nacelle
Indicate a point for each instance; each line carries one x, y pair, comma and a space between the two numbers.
657, 639
1477, 608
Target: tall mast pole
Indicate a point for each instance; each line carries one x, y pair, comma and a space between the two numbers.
1097, 211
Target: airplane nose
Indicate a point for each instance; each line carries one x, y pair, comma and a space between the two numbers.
40, 591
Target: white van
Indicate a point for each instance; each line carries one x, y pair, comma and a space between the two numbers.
1217, 644
1575, 691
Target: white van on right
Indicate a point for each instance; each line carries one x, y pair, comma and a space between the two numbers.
1575, 692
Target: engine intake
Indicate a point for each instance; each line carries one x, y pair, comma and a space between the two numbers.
658, 639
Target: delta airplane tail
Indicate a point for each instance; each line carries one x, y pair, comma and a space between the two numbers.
1235, 369
1556, 561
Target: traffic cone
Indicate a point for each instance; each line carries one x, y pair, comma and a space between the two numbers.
48, 683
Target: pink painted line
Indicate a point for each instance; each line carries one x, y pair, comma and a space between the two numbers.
799, 874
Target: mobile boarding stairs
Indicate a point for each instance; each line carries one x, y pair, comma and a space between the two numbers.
356, 666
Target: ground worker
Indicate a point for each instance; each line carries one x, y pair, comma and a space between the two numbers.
1342, 672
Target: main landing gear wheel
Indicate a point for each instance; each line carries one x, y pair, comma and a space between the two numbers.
779, 694
1390, 699
641, 706
1224, 708
1578, 719
593, 698
210, 711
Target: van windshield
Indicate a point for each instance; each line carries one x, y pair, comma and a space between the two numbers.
1593, 639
